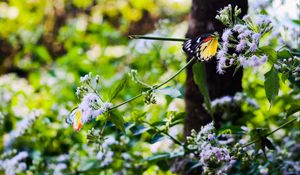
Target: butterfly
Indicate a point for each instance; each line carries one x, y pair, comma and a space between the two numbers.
203, 47
75, 119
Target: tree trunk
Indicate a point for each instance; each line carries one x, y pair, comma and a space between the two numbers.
202, 21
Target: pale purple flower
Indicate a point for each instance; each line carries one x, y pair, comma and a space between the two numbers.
221, 101
255, 61
231, 61
239, 28
209, 152
98, 112
263, 170
241, 46
107, 105
253, 47
105, 158
226, 34
220, 69
255, 37
225, 46
262, 20
263, 59
243, 61
91, 98
207, 128
58, 168
221, 53
244, 34
92, 106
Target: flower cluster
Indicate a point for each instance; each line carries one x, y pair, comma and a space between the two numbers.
235, 100
21, 128
58, 168
240, 40
214, 156
15, 164
289, 67
91, 104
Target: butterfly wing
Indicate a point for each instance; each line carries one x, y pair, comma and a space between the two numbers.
75, 119
203, 47
191, 45
208, 49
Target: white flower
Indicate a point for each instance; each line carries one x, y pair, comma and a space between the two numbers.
86, 78
14, 165
58, 168
105, 158
207, 128
22, 127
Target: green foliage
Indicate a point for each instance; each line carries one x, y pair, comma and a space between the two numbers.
47, 46
200, 80
271, 84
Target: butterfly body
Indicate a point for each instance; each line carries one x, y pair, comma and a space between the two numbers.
203, 47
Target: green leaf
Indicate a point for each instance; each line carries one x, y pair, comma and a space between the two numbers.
225, 131
200, 80
295, 107
119, 88
169, 91
284, 54
139, 130
271, 84
256, 134
270, 52
87, 165
117, 120
43, 54
156, 138
296, 21
157, 157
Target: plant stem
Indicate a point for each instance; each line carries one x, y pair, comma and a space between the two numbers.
157, 38
281, 126
295, 53
155, 86
167, 134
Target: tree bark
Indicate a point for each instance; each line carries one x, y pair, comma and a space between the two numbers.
202, 21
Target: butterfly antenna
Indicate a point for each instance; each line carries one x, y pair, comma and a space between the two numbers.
157, 38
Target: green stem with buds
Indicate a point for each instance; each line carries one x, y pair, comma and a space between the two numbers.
157, 38
281, 126
156, 86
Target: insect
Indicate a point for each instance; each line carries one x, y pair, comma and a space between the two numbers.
75, 119
203, 47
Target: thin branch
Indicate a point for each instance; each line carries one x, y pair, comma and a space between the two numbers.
156, 86
281, 126
157, 38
